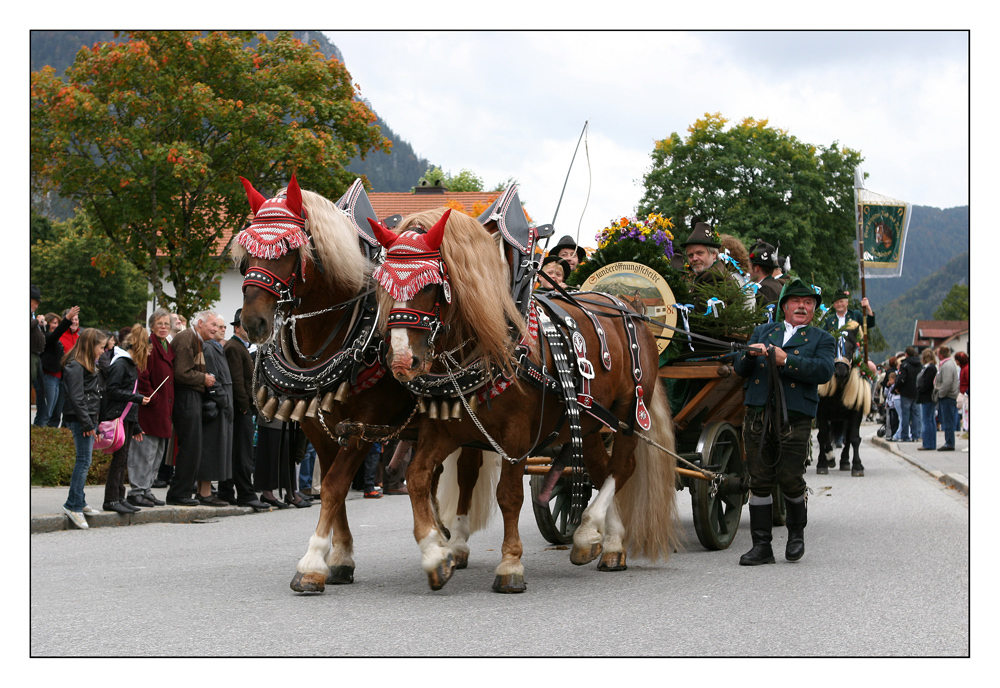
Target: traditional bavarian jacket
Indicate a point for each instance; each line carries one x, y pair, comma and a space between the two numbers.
769, 291
810, 363
241, 369
830, 321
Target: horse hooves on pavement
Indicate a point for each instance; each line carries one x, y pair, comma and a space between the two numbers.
308, 582
822, 470
461, 560
581, 555
439, 576
340, 575
509, 583
612, 561
857, 472
845, 466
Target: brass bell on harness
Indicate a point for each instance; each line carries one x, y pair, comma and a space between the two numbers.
284, 410
456, 410
261, 396
342, 392
474, 403
421, 405
432, 410
313, 406
268, 409
300, 410
443, 414
327, 404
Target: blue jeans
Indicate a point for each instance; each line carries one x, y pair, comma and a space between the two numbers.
909, 422
84, 452
43, 411
928, 434
371, 466
946, 409
306, 467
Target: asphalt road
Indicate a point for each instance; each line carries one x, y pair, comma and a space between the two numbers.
886, 573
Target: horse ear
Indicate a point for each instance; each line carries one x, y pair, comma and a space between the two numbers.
385, 236
255, 197
293, 196
436, 233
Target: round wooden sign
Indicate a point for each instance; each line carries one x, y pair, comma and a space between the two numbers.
641, 287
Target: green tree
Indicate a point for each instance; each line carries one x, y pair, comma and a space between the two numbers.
955, 305
757, 181
81, 268
466, 180
150, 135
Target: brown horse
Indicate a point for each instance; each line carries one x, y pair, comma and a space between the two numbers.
451, 311
307, 299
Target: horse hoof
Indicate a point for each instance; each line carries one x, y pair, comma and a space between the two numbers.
340, 575
857, 472
845, 466
581, 556
509, 583
308, 582
461, 560
822, 470
612, 561
439, 576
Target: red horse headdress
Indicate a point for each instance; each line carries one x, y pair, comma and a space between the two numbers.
412, 260
278, 225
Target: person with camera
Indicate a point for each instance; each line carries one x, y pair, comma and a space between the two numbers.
217, 420
191, 381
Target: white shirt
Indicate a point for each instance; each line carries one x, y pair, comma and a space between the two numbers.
789, 331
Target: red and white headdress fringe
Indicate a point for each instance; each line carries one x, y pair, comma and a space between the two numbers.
409, 267
278, 225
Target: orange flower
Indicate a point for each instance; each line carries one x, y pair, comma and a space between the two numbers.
624, 222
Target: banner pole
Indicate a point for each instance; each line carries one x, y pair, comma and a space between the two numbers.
861, 261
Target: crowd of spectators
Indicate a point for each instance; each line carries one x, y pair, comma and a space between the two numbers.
185, 398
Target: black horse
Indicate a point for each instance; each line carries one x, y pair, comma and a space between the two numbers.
843, 402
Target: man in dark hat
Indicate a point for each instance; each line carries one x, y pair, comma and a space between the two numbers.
702, 251
239, 489
840, 314
570, 251
777, 427
763, 265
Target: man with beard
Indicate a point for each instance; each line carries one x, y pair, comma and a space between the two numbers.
785, 363
702, 251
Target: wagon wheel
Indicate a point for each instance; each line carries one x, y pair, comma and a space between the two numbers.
717, 517
558, 521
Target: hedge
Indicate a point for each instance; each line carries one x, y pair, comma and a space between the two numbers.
53, 455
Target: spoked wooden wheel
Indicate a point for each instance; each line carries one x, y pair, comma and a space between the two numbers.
558, 521
717, 516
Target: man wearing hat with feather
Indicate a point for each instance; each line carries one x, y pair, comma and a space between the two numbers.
702, 251
785, 362
764, 266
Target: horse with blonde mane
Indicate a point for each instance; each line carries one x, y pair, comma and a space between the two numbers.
310, 307
453, 326
844, 401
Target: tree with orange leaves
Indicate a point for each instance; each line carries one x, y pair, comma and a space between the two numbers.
150, 135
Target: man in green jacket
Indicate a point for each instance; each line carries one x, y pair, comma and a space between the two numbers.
786, 361
840, 314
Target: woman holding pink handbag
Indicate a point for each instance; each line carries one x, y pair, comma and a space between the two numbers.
121, 399
82, 391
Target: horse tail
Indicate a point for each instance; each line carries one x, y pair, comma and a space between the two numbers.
647, 502
857, 393
483, 500
828, 388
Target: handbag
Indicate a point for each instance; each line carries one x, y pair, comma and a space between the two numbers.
110, 435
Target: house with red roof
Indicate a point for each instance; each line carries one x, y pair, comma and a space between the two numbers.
934, 333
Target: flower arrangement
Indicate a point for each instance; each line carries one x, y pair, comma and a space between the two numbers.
654, 229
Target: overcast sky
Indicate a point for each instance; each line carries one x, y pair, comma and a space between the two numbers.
508, 104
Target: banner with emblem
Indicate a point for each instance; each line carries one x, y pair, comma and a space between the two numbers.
882, 227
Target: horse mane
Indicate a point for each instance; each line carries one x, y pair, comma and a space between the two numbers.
481, 308
336, 242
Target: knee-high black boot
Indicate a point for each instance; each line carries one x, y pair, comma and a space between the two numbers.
760, 533
795, 520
